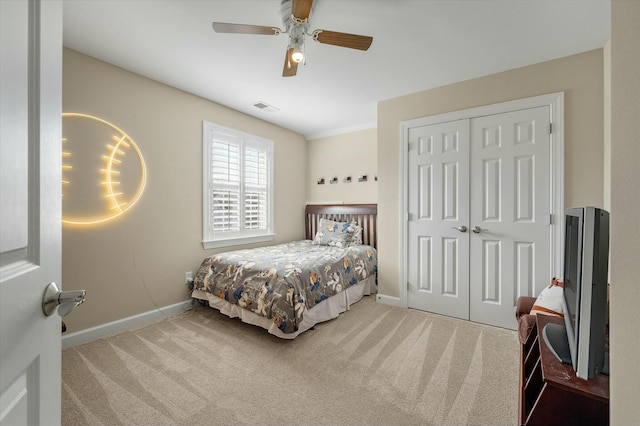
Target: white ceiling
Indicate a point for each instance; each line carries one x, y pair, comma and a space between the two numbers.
417, 45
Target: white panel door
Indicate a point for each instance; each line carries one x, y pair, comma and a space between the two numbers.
438, 239
30, 209
510, 211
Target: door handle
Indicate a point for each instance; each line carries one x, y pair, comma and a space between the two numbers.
478, 230
460, 228
67, 300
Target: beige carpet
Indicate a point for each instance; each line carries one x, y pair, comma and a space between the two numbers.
374, 364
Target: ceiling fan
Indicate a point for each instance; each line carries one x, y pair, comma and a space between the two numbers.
295, 18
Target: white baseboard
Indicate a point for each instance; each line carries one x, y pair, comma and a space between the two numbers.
93, 333
390, 300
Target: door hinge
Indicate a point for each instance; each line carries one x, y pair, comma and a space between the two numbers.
409, 146
550, 128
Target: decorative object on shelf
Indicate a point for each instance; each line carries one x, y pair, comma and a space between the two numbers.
375, 177
347, 179
321, 181
334, 180
362, 178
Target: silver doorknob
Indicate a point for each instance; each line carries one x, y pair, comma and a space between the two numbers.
477, 229
67, 300
460, 228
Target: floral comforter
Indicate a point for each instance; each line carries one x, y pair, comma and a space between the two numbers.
281, 282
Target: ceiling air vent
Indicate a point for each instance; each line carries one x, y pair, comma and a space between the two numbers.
265, 106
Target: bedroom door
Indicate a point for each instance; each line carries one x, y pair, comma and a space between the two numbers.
478, 225
30, 209
439, 218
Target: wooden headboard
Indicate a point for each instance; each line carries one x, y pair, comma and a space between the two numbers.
365, 214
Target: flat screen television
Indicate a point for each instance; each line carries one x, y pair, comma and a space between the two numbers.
581, 342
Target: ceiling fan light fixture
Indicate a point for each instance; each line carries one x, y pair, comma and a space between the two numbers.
297, 55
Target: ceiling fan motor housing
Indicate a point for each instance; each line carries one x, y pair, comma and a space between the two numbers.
296, 27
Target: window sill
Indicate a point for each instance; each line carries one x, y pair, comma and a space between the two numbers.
237, 241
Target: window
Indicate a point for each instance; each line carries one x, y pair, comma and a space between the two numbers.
237, 188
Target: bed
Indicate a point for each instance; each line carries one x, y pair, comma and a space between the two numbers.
288, 288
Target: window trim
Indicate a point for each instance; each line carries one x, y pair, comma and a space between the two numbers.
209, 240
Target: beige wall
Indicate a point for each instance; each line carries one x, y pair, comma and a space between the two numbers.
607, 127
137, 263
625, 205
581, 79
351, 154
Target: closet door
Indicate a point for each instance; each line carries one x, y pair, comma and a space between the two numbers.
438, 218
510, 211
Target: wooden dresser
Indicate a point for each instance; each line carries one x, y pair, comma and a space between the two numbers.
550, 392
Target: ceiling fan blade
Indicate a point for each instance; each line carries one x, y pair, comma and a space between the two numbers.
301, 9
352, 41
224, 27
290, 67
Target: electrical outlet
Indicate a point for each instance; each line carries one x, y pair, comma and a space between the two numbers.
188, 277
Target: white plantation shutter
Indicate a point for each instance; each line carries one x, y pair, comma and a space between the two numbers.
225, 186
238, 187
255, 188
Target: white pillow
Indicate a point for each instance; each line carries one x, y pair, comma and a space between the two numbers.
549, 302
